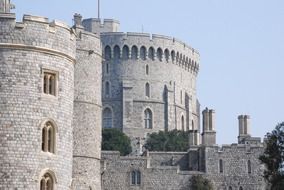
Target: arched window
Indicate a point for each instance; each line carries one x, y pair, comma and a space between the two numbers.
107, 89
125, 52
241, 188
189, 64
182, 123
230, 188
221, 166
147, 70
47, 182
173, 55
48, 138
107, 53
181, 59
151, 53
160, 54
107, 118
148, 119
249, 166
147, 90
136, 177
134, 52
116, 52
167, 55
177, 57
143, 53
49, 83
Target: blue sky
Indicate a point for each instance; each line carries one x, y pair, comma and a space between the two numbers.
240, 43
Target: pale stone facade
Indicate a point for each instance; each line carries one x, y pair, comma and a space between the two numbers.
59, 86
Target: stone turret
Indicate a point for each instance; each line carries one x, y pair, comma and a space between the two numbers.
87, 110
36, 101
209, 133
96, 25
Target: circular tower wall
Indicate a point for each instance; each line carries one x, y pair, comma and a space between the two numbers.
35, 111
144, 73
87, 112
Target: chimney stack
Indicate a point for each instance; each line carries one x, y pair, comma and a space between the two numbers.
209, 133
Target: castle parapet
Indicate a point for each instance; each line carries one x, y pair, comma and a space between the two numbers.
118, 45
98, 26
38, 34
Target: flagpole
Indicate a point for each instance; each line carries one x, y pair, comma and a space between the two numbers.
98, 9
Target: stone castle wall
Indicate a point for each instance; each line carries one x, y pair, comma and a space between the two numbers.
172, 69
27, 49
236, 172
116, 173
171, 170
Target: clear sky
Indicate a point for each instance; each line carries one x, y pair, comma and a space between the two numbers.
241, 43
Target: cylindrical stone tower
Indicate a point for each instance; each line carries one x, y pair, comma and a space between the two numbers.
87, 111
36, 103
137, 70
149, 82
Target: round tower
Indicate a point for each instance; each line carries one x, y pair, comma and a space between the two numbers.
149, 84
36, 103
87, 110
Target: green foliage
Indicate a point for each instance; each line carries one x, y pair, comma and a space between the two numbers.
168, 141
114, 139
273, 158
200, 183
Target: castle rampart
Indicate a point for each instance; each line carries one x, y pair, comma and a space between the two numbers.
165, 49
37, 34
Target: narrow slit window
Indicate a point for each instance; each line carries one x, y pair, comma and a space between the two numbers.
107, 68
147, 90
147, 69
221, 166
182, 123
249, 166
107, 89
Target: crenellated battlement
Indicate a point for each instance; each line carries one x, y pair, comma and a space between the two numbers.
36, 33
118, 45
96, 25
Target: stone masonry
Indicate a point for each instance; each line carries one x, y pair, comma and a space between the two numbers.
59, 86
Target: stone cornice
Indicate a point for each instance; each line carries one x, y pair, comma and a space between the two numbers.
37, 49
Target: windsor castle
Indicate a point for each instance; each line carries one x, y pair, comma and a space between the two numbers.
60, 85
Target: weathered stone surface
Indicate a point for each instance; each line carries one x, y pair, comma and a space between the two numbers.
24, 54
33, 46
